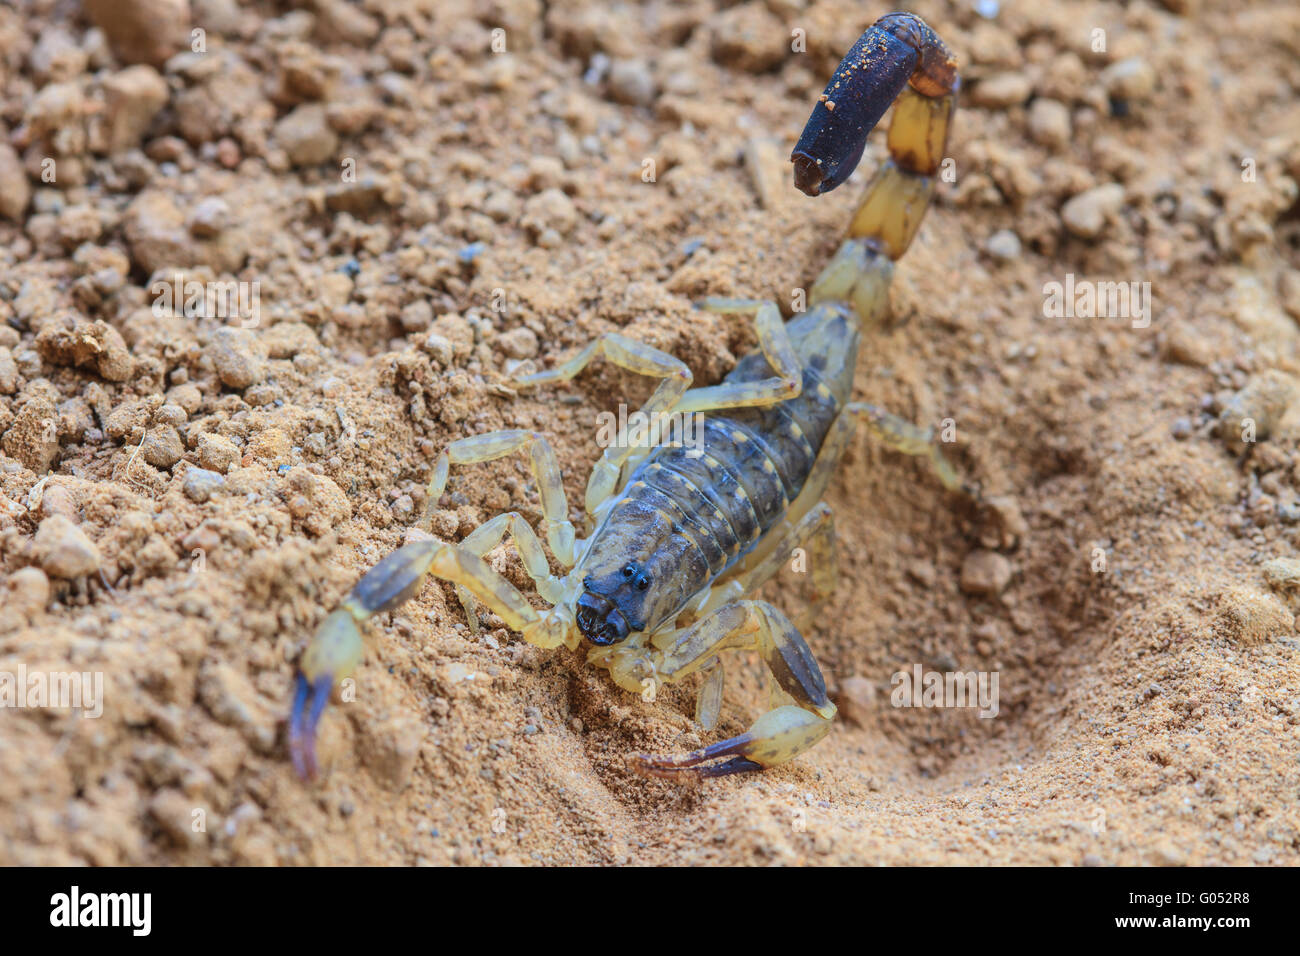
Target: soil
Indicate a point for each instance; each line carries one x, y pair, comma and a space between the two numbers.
185, 496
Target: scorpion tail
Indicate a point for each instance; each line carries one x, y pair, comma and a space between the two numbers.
898, 58
897, 51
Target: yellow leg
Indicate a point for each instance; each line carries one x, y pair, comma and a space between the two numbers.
894, 433
488, 535
635, 357
779, 735
774, 340
815, 532
546, 470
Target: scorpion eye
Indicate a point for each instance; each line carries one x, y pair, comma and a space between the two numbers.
642, 582
628, 571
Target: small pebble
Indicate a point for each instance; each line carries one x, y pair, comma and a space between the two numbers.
209, 217
8, 370
15, 189
1130, 79
1254, 411
1002, 90
1282, 574
985, 573
471, 252
162, 447
631, 82
306, 136
551, 209
201, 484
856, 699
237, 357
217, 453
1049, 122
1085, 215
29, 591
1003, 245
417, 316
520, 343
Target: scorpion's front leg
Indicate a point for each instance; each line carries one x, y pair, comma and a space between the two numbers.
779, 735
546, 470
550, 489
335, 651
488, 535
635, 357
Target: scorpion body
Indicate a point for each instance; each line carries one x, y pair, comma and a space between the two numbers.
684, 532
718, 498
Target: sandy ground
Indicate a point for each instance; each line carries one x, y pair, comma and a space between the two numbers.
184, 498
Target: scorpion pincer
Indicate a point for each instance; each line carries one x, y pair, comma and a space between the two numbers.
684, 532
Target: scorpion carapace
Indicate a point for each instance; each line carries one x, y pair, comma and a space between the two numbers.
686, 531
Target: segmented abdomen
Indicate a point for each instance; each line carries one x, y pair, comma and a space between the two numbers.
736, 480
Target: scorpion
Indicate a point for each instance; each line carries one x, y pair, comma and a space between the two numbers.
684, 531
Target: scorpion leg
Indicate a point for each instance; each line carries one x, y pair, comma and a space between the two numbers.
899, 435
488, 535
776, 737
546, 471
774, 340
816, 529
635, 357
335, 650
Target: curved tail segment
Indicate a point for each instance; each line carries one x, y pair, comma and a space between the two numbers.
898, 58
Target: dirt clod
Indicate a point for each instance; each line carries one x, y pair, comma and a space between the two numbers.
63, 550
985, 573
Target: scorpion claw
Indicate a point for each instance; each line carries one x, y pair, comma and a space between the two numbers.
309, 700
662, 768
777, 736
687, 766
331, 657
807, 174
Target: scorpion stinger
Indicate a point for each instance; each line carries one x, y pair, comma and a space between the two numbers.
686, 532
898, 51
